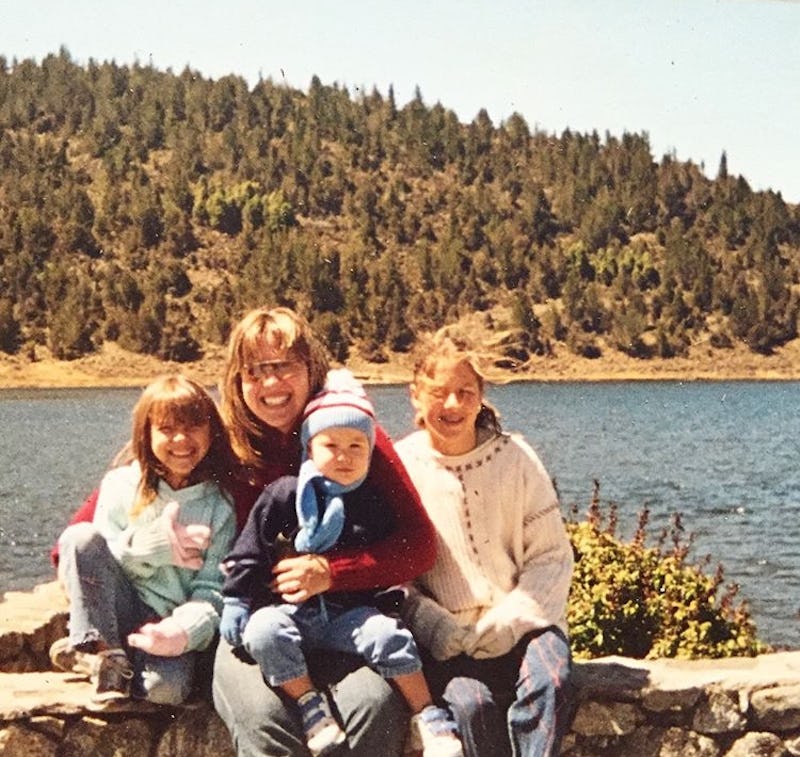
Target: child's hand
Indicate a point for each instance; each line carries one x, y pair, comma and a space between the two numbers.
434, 627
493, 638
188, 542
163, 639
235, 614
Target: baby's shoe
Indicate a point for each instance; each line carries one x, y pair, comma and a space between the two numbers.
434, 732
323, 733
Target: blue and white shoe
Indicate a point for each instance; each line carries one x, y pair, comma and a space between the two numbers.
434, 732
323, 733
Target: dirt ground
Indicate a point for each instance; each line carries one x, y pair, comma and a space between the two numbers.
113, 367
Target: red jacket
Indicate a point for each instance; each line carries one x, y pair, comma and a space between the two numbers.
408, 552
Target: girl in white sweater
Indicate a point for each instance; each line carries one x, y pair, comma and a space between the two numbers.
491, 613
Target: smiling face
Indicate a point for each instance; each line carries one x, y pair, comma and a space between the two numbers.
179, 447
257, 401
447, 401
341, 454
275, 386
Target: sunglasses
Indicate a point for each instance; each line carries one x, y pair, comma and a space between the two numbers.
281, 369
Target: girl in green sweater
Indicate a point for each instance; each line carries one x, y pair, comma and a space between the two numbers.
143, 577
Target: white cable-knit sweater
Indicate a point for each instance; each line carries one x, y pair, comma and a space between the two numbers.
504, 559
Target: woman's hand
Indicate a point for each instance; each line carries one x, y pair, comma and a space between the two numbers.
300, 578
163, 639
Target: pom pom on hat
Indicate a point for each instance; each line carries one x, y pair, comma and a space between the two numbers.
342, 402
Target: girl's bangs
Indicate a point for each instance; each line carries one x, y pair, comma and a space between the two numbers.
181, 409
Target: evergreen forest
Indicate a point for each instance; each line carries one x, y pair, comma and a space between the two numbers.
151, 209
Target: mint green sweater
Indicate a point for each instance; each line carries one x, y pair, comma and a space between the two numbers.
141, 545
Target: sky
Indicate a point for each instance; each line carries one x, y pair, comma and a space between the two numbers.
699, 77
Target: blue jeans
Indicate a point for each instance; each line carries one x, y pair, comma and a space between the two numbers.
104, 606
518, 704
276, 637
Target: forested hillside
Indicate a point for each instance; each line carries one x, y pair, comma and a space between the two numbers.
151, 208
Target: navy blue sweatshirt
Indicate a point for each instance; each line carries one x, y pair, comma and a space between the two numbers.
269, 534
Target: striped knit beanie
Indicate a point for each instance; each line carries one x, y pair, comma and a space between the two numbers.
342, 402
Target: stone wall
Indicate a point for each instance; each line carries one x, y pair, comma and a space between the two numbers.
661, 708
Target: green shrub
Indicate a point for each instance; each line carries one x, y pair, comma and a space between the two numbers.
642, 601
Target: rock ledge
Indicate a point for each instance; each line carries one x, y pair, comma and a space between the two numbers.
738, 707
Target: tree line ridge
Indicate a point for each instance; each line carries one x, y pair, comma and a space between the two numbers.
150, 209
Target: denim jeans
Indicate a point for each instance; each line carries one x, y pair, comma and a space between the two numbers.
262, 721
518, 704
276, 637
104, 606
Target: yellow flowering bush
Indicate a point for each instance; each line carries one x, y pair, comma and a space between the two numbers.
641, 601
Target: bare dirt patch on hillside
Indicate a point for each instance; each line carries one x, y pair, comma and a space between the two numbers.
114, 367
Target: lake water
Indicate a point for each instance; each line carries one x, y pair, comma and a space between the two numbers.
723, 454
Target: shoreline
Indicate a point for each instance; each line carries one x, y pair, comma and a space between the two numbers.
112, 367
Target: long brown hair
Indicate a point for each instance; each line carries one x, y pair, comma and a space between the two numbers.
174, 398
282, 330
446, 347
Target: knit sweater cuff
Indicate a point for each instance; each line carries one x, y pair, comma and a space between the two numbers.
200, 621
522, 613
151, 542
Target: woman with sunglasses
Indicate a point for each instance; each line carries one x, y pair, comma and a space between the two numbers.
274, 365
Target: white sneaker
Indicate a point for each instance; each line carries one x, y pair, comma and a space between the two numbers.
323, 733
64, 656
434, 732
